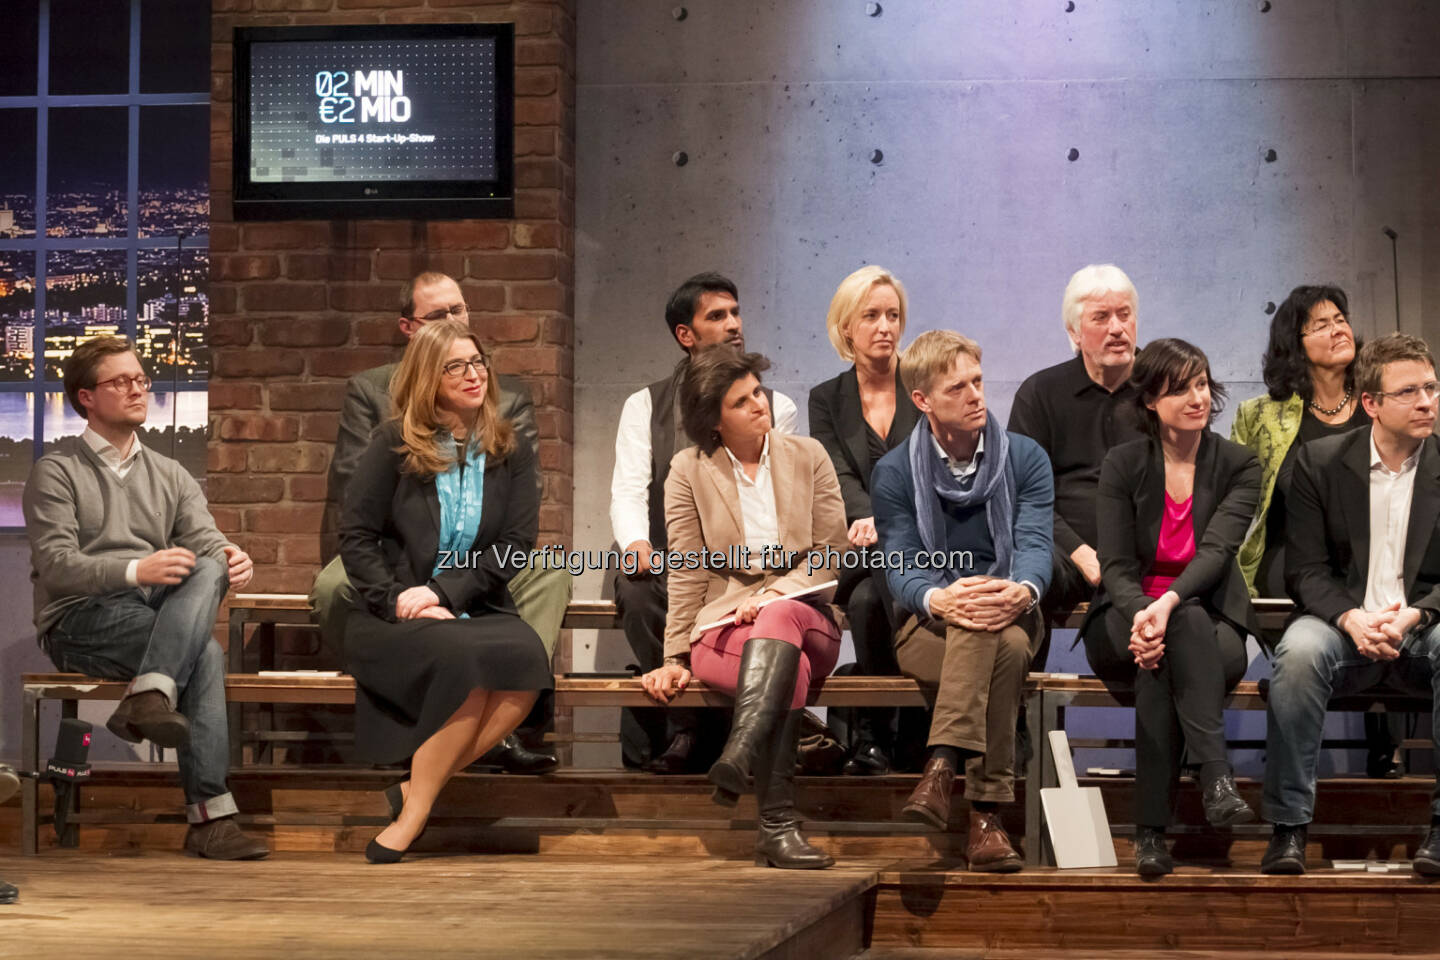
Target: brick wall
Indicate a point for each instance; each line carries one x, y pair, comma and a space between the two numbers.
296, 307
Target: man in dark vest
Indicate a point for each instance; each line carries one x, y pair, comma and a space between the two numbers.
704, 310
540, 595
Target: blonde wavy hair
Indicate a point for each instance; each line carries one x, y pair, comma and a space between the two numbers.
415, 388
845, 306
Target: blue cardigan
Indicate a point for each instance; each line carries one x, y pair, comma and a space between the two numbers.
893, 497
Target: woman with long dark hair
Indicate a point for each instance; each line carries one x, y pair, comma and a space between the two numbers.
1309, 370
441, 498
1172, 610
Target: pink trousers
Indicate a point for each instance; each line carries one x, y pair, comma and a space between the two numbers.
715, 657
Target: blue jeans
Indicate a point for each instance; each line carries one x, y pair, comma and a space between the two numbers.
1313, 663
163, 642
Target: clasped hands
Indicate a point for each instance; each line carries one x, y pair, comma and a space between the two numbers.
420, 602
1379, 635
1147, 630
980, 603
172, 565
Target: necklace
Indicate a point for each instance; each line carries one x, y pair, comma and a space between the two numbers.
1333, 410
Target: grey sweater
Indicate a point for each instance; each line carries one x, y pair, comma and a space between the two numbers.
85, 524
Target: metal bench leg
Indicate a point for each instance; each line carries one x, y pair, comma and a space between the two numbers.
70, 710
235, 656
1039, 746
30, 760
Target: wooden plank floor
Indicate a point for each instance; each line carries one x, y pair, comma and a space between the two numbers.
161, 905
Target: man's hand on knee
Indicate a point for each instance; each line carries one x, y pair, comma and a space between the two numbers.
165, 567
242, 568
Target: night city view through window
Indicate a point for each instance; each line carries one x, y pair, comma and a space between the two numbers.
103, 225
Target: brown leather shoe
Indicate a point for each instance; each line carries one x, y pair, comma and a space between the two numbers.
930, 800
222, 840
989, 849
147, 716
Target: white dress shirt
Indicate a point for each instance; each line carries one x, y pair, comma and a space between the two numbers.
757, 506
1390, 496
119, 465
630, 483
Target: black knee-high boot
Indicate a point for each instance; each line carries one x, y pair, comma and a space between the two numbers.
779, 843
762, 697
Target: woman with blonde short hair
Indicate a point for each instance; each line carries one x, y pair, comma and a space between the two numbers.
859, 416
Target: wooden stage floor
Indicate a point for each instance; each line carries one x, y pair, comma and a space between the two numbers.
303, 906
313, 905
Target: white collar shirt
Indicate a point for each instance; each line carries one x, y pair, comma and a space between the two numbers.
119, 464
1390, 495
757, 505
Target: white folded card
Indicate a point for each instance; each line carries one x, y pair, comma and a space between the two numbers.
765, 603
300, 673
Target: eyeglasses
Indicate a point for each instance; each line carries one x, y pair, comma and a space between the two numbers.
1325, 326
456, 369
454, 310
1408, 396
123, 384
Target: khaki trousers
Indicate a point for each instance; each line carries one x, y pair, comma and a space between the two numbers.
979, 677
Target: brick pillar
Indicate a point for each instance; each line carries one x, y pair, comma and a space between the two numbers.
298, 306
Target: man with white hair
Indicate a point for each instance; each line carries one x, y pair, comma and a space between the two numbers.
1077, 411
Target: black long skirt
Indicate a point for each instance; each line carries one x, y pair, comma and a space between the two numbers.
413, 675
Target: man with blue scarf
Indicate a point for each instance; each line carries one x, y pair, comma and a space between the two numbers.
968, 505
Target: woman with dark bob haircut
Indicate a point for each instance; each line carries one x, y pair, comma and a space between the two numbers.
1309, 368
1172, 610
764, 511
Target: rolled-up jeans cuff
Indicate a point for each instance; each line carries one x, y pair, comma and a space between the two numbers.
155, 681
212, 809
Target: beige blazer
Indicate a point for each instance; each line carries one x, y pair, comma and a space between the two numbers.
702, 513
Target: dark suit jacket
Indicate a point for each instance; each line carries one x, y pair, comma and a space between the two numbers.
390, 530
838, 422
1130, 506
1327, 527
367, 405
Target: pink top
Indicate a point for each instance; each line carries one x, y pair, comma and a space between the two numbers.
1175, 549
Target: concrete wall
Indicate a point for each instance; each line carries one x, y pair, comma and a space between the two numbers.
975, 203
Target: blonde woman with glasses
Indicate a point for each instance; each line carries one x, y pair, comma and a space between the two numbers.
443, 494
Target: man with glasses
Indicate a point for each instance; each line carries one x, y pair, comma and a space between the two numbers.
540, 595
129, 571
1363, 567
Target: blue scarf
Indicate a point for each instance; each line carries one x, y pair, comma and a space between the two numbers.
994, 486
461, 494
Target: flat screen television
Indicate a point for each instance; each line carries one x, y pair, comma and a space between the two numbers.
401, 121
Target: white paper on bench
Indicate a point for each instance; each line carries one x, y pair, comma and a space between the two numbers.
765, 603
300, 673
270, 596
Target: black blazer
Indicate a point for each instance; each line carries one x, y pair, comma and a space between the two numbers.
1130, 505
1327, 527
390, 530
838, 422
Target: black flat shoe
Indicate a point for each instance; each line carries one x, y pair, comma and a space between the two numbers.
868, 760
8, 892
1224, 807
1152, 857
514, 757
377, 852
1285, 856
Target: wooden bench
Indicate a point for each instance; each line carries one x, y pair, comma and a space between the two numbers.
71, 688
